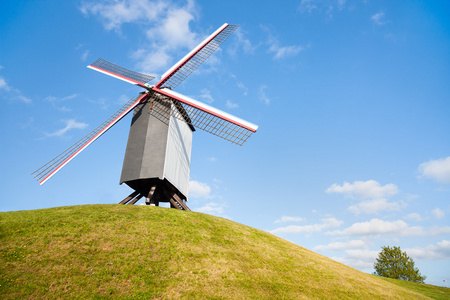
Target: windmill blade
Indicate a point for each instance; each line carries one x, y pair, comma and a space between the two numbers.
195, 58
206, 117
49, 169
121, 73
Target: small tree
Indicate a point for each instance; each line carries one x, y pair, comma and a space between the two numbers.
394, 263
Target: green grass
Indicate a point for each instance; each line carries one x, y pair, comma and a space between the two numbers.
432, 291
142, 252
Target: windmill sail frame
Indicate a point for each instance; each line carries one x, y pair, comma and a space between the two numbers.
45, 172
190, 111
210, 119
103, 66
188, 64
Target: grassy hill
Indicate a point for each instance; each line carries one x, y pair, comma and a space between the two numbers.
133, 252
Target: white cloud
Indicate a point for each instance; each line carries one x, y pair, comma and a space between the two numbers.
434, 231
372, 196
364, 189
206, 96
379, 18
341, 3
174, 30
243, 88
28, 124
123, 99
375, 206
282, 52
289, 219
326, 223
322, 6
248, 47
262, 94
438, 251
84, 55
278, 50
358, 259
3, 84
377, 227
115, 13
171, 32
414, 216
438, 213
438, 170
13, 93
152, 60
169, 27
231, 105
240, 85
307, 5
70, 124
199, 189
211, 208
336, 246
22, 98
55, 101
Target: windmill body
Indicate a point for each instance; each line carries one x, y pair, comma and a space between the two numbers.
158, 154
158, 150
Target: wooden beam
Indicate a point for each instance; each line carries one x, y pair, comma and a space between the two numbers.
150, 199
131, 196
136, 199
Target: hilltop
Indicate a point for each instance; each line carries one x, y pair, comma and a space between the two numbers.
125, 251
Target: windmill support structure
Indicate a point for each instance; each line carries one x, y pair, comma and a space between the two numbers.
158, 191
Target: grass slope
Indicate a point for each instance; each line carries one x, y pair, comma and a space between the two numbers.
432, 291
118, 251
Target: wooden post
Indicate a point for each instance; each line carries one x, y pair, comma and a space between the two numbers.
136, 199
131, 196
150, 199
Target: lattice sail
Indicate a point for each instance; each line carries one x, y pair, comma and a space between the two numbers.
195, 58
119, 72
49, 169
193, 112
205, 117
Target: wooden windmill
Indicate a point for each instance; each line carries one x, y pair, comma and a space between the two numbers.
158, 154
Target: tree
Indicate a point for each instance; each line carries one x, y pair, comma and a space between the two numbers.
394, 263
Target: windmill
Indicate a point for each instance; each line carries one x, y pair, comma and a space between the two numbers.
158, 153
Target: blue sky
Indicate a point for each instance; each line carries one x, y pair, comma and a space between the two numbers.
351, 98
